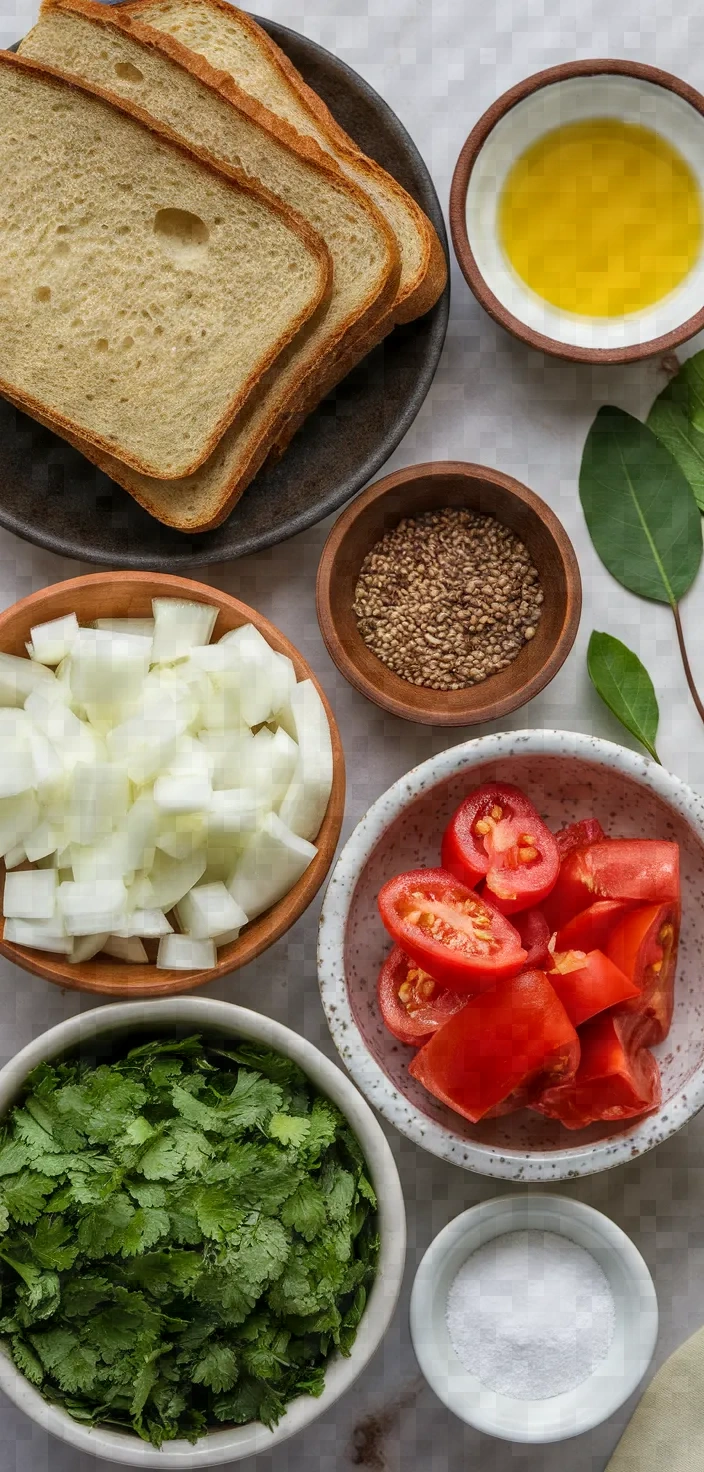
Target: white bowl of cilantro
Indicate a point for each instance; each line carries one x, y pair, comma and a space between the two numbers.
202, 1232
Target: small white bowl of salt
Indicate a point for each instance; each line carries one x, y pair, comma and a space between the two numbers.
533, 1317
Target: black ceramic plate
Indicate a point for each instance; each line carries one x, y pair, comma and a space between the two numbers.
51, 495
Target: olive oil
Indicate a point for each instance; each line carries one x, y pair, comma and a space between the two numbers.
601, 217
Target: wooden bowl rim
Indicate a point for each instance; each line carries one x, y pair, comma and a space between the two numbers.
469, 153
492, 709
121, 979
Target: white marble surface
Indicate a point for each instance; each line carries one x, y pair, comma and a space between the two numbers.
439, 63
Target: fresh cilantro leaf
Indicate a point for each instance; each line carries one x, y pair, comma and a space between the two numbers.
217, 1368
147, 1195
305, 1210
103, 1106
143, 1230
24, 1195
324, 1122
53, 1244
289, 1130
14, 1156
339, 1188
101, 1231
216, 1211
251, 1103
26, 1360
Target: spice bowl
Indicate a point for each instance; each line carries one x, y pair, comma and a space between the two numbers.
433, 487
612, 1379
574, 92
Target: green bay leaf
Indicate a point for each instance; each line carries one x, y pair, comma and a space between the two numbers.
625, 686
671, 419
639, 508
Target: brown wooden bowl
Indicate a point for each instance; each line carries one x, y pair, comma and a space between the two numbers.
123, 594
650, 79
430, 488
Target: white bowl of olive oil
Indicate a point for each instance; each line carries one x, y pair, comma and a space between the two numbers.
577, 211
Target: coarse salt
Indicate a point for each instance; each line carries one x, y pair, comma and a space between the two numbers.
531, 1314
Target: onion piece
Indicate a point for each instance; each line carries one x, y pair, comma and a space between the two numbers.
71, 737
150, 924
143, 626
106, 859
126, 948
145, 743
17, 773
15, 856
209, 910
263, 683
85, 947
52, 641
19, 677
30, 895
183, 794
86, 908
42, 842
182, 835
97, 798
271, 863
18, 816
237, 810
179, 624
181, 953
305, 803
108, 670
141, 827
39, 935
228, 752
171, 879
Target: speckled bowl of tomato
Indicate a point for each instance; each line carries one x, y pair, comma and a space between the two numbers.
599, 947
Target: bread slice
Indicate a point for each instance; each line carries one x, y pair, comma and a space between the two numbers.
91, 41
231, 40
144, 292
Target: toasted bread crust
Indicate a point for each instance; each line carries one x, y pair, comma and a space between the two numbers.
296, 223
415, 297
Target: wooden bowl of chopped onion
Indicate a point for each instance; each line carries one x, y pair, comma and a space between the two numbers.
172, 785
449, 594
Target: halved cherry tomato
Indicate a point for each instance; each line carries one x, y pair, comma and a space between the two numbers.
412, 1005
459, 939
497, 835
644, 869
587, 984
644, 945
534, 931
578, 835
505, 1044
616, 1078
591, 928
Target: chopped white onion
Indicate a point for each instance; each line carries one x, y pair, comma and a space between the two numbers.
171, 879
151, 924
97, 798
88, 907
30, 895
181, 953
179, 625
17, 773
145, 775
85, 947
18, 816
52, 641
272, 862
304, 805
209, 910
39, 935
19, 677
125, 948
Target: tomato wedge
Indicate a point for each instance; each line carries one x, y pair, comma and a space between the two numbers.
644, 945
502, 1046
578, 835
459, 939
534, 931
616, 1078
587, 984
644, 869
591, 928
412, 1005
497, 835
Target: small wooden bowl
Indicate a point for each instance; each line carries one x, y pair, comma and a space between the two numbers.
594, 87
430, 488
129, 594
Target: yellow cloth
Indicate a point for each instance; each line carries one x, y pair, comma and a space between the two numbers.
666, 1432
